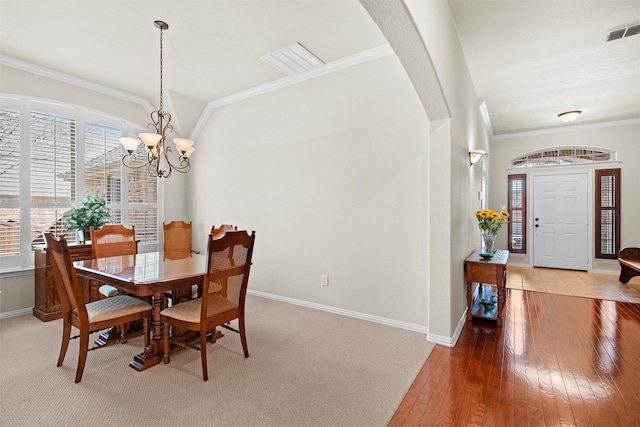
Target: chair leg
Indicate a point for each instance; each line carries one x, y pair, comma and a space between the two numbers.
243, 337
165, 337
66, 335
82, 354
203, 354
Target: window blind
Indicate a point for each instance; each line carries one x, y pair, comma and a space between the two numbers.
9, 183
51, 156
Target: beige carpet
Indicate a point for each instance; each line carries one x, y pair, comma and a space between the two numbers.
306, 368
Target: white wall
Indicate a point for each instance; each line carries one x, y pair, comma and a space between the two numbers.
333, 175
328, 173
451, 173
623, 137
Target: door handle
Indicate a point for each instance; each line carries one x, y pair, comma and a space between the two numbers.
537, 219
537, 225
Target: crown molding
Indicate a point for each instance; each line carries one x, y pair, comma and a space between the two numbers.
75, 81
340, 64
567, 129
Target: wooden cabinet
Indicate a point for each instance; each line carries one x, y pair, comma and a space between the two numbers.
47, 303
486, 276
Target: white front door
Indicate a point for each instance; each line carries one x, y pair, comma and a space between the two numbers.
560, 221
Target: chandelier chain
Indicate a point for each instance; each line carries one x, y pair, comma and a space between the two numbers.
161, 109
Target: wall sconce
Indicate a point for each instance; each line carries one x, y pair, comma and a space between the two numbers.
475, 156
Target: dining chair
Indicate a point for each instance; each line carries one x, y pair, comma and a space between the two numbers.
177, 236
216, 231
224, 292
112, 240
92, 316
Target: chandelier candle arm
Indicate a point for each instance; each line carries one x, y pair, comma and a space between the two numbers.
158, 162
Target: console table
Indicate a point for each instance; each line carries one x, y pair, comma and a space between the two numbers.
47, 303
491, 276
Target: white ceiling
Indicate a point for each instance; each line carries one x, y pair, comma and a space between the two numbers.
529, 60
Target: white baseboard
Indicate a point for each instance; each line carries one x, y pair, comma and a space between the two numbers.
330, 309
450, 341
16, 313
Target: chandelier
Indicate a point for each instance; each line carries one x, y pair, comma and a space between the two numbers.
158, 162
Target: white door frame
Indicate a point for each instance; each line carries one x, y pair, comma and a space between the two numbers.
590, 207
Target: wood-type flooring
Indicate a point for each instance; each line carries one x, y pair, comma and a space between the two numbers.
557, 361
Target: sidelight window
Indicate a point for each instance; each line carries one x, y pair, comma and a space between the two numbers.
607, 199
517, 193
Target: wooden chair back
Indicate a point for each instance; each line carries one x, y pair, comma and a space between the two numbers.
177, 236
65, 278
227, 275
223, 228
113, 240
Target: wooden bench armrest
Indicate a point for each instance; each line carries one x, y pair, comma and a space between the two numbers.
629, 259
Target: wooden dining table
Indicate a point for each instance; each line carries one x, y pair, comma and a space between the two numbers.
147, 275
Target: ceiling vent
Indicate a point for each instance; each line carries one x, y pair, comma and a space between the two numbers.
293, 59
631, 30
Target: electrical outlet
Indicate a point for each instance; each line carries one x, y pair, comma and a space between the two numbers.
325, 280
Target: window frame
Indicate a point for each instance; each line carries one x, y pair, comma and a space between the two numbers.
25, 106
510, 179
599, 174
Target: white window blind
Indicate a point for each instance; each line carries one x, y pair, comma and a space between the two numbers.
103, 154
52, 166
51, 156
143, 199
9, 183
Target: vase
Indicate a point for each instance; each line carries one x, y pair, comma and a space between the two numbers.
488, 239
82, 236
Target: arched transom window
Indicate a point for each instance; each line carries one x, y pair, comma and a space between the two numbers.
562, 156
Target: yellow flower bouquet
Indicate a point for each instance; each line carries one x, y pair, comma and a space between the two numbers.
491, 220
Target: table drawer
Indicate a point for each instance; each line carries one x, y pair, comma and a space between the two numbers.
484, 274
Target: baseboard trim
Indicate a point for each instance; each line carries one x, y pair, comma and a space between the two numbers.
15, 313
341, 311
450, 341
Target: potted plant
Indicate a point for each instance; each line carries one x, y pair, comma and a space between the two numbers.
92, 212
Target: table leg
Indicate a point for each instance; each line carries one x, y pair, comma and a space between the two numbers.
500, 284
469, 301
153, 352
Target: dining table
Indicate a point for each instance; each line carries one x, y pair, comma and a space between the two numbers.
151, 275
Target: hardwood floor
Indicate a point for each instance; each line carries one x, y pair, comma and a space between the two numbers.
558, 360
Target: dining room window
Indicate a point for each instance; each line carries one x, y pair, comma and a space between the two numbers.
517, 225
52, 156
607, 197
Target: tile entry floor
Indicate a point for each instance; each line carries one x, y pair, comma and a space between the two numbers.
574, 283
